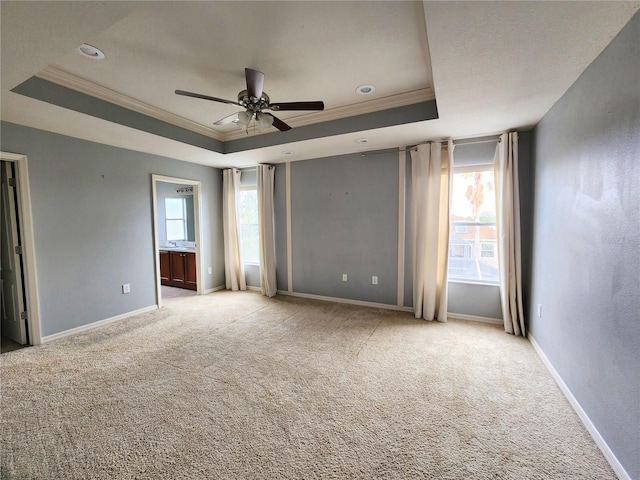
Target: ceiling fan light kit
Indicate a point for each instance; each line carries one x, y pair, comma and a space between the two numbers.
244, 118
254, 100
264, 121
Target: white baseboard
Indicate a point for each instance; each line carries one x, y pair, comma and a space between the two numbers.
255, 289
475, 318
99, 323
345, 300
214, 289
586, 421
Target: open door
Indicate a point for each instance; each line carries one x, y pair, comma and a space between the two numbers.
14, 319
185, 268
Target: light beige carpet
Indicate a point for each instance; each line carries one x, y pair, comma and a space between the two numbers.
238, 386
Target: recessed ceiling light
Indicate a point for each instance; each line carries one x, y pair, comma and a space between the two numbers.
90, 51
235, 120
288, 152
366, 89
362, 140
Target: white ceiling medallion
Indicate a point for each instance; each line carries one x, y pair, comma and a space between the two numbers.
362, 140
90, 51
366, 89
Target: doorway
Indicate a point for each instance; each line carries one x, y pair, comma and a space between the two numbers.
20, 324
177, 233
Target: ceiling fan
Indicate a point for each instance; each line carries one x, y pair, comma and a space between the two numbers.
254, 100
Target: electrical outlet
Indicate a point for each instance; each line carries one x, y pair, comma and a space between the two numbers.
344, 277
374, 280
126, 288
210, 270
539, 310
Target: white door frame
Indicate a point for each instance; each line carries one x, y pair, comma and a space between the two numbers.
197, 202
28, 245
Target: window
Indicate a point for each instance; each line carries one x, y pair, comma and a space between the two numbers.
472, 242
488, 250
249, 230
175, 218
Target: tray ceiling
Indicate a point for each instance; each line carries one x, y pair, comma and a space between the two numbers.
490, 66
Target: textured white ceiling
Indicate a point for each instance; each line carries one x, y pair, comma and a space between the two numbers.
495, 65
504, 64
307, 50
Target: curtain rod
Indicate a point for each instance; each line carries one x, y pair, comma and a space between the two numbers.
461, 142
270, 165
496, 140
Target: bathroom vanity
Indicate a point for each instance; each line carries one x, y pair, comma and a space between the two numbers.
178, 267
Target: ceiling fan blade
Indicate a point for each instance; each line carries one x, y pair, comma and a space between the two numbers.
226, 120
297, 106
279, 124
255, 82
206, 97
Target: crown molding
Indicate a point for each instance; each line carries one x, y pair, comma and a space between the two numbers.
87, 87
68, 80
361, 108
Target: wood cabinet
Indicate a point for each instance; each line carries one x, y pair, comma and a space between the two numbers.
190, 278
178, 269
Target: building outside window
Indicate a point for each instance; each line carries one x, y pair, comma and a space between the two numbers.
472, 241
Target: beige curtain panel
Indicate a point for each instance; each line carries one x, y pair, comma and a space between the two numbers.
233, 267
508, 229
430, 191
266, 178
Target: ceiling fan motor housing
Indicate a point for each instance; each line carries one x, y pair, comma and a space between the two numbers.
251, 103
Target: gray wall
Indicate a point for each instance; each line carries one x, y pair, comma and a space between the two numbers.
92, 214
586, 243
163, 190
344, 220
474, 299
280, 226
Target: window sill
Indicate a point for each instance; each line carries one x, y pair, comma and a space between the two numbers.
474, 282
249, 264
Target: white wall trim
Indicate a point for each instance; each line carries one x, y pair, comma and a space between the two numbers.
402, 195
586, 421
68, 80
214, 289
99, 323
28, 246
346, 300
475, 318
289, 246
82, 85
